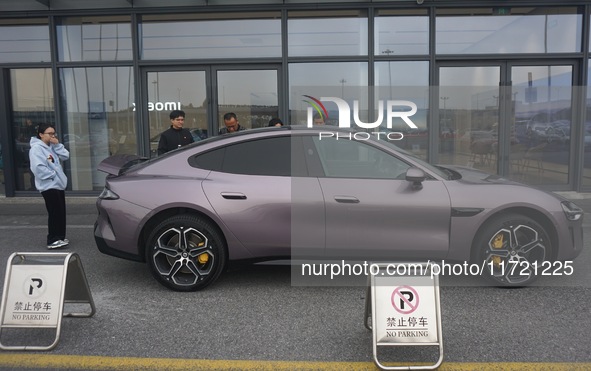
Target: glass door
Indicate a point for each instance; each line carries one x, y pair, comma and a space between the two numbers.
177, 90
509, 119
541, 115
469, 116
205, 95
251, 94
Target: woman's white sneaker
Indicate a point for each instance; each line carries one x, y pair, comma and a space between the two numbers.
57, 244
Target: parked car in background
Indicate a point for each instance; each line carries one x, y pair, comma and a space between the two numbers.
72, 139
271, 193
557, 133
198, 134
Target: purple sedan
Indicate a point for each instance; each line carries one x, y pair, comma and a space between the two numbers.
272, 193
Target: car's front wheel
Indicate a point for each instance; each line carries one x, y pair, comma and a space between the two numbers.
185, 253
511, 249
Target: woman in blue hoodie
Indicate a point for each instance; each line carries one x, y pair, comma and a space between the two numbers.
45, 156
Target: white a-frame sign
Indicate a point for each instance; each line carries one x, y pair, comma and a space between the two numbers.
40, 289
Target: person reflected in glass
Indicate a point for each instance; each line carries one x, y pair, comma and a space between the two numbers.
275, 122
176, 136
318, 119
231, 124
45, 158
29, 131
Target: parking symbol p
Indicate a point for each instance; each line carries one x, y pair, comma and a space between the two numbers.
405, 299
36, 284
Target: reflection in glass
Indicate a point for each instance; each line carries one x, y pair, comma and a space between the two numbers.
406, 34
327, 34
541, 136
251, 95
176, 90
94, 38
184, 37
347, 80
514, 30
24, 40
32, 103
407, 80
99, 120
469, 116
587, 135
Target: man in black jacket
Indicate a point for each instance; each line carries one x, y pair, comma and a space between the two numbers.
175, 136
231, 123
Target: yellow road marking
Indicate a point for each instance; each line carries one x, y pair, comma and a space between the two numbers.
32, 360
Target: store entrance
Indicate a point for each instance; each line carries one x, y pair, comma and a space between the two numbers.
511, 119
206, 94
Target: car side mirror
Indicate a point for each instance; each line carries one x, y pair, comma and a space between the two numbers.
416, 176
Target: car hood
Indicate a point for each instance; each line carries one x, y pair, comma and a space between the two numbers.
118, 164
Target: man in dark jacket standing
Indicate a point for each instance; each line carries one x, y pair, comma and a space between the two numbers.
175, 136
231, 123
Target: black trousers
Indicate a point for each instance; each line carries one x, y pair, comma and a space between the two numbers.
55, 203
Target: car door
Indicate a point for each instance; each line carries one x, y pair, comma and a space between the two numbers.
261, 204
372, 211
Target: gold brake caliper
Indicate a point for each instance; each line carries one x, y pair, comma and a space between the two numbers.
497, 243
202, 258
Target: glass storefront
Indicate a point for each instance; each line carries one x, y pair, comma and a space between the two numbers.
493, 86
408, 80
505, 30
178, 90
32, 103
24, 40
542, 106
97, 120
207, 36
586, 174
402, 32
328, 33
469, 116
318, 79
94, 39
254, 100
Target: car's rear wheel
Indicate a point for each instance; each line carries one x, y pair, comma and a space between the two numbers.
185, 253
512, 248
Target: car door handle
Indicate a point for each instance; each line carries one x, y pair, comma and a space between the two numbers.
233, 196
346, 199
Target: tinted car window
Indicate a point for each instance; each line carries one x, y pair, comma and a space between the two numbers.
355, 159
269, 156
211, 160
278, 156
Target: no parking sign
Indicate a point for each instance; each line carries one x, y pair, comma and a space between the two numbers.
36, 288
405, 313
405, 310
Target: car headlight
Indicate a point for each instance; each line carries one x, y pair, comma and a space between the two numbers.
572, 211
107, 194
